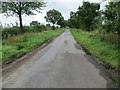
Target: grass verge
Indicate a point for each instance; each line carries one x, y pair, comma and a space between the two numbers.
17, 46
105, 52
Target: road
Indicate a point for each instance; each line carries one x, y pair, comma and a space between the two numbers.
61, 64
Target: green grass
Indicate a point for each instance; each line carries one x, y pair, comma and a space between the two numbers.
106, 52
17, 46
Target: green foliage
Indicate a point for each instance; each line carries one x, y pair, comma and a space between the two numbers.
73, 22
14, 31
110, 37
62, 22
48, 27
40, 27
86, 16
14, 8
89, 17
106, 52
9, 52
17, 46
55, 17
112, 17
7, 32
33, 23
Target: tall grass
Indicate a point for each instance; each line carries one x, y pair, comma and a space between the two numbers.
16, 46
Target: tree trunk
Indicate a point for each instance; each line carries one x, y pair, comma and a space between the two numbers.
20, 19
20, 16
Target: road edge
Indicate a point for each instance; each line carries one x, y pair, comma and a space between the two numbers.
12, 65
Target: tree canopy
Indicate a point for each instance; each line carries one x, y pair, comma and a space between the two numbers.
54, 17
112, 16
19, 8
85, 17
87, 14
89, 17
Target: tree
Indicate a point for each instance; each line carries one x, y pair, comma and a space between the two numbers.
33, 23
87, 14
54, 17
112, 17
19, 8
73, 22
61, 22
72, 14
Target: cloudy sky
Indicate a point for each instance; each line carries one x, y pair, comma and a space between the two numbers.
63, 6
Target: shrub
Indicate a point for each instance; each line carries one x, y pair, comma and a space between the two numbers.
110, 37
7, 32
29, 29
39, 27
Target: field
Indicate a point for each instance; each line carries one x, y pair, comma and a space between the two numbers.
16, 46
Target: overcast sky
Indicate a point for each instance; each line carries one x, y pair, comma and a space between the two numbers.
63, 6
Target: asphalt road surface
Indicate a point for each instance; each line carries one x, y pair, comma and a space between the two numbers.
61, 64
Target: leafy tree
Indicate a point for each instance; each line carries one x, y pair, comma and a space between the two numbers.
33, 23
73, 21
87, 14
54, 17
66, 23
19, 8
112, 17
72, 14
61, 22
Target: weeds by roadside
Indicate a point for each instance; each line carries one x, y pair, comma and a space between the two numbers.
17, 46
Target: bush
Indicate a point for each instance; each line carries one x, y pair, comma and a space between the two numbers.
29, 29
48, 27
110, 37
39, 27
53, 27
7, 32
14, 31
9, 52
